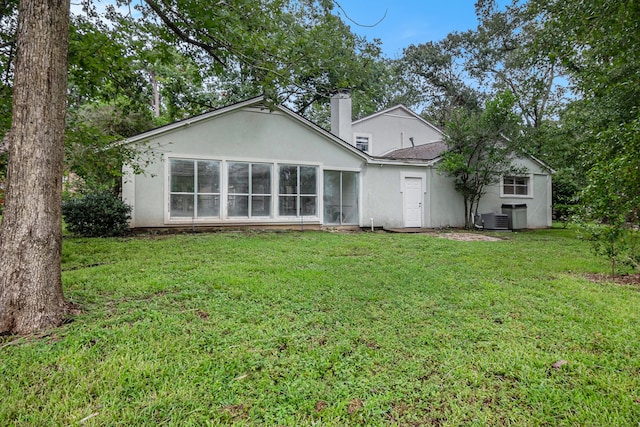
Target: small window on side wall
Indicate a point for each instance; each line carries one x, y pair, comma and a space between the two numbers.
362, 142
516, 186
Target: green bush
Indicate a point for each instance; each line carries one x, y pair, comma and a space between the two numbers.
563, 212
99, 214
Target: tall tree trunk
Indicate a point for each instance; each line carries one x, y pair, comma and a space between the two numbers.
467, 212
31, 298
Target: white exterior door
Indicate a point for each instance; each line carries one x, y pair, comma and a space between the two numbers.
412, 202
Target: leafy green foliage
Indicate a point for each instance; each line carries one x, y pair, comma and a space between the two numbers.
616, 240
481, 148
96, 214
186, 59
600, 48
92, 149
433, 71
566, 188
108, 101
506, 53
503, 53
285, 49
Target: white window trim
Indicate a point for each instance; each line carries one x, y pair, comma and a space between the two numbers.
369, 136
358, 173
318, 194
529, 194
224, 219
250, 194
168, 219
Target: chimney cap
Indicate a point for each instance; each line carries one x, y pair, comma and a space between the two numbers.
341, 93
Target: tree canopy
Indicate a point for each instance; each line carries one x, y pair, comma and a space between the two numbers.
155, 62
600, 48
481, 147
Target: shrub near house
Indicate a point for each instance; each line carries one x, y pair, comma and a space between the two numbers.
97, 214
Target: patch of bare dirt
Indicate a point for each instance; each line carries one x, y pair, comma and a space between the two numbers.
202, 314
468, 237
236, 411
620, 279
355, 405
320, 405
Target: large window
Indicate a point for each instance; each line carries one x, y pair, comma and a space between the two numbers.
516, 186
249, 190
194, 188
220, 190
340, 197
298, 190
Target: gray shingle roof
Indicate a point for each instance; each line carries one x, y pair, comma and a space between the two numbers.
428, 151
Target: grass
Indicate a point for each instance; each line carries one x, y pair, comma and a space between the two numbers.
331, 329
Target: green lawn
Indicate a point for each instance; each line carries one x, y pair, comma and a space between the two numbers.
331, 329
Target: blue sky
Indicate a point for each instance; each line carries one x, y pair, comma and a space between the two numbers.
409, 22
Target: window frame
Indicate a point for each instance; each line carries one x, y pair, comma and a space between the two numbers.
298, 195
529, 186
250, 194
341, 208
369, 138
313, 206
195, 193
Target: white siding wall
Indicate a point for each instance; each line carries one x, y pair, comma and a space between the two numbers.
250, 134
447, 205
383, 194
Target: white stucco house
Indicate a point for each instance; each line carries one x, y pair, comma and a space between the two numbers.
249, 165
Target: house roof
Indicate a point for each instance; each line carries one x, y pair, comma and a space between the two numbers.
427, 154
257, 102
428, 151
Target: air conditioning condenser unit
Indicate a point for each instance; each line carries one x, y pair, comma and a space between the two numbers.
495, 221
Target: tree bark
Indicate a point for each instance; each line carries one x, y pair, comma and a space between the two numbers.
31, 298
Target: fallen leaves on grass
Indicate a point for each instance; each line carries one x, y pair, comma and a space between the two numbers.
202, 314
620, 279
236, 411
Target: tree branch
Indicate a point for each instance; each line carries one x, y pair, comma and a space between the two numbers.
211, 50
